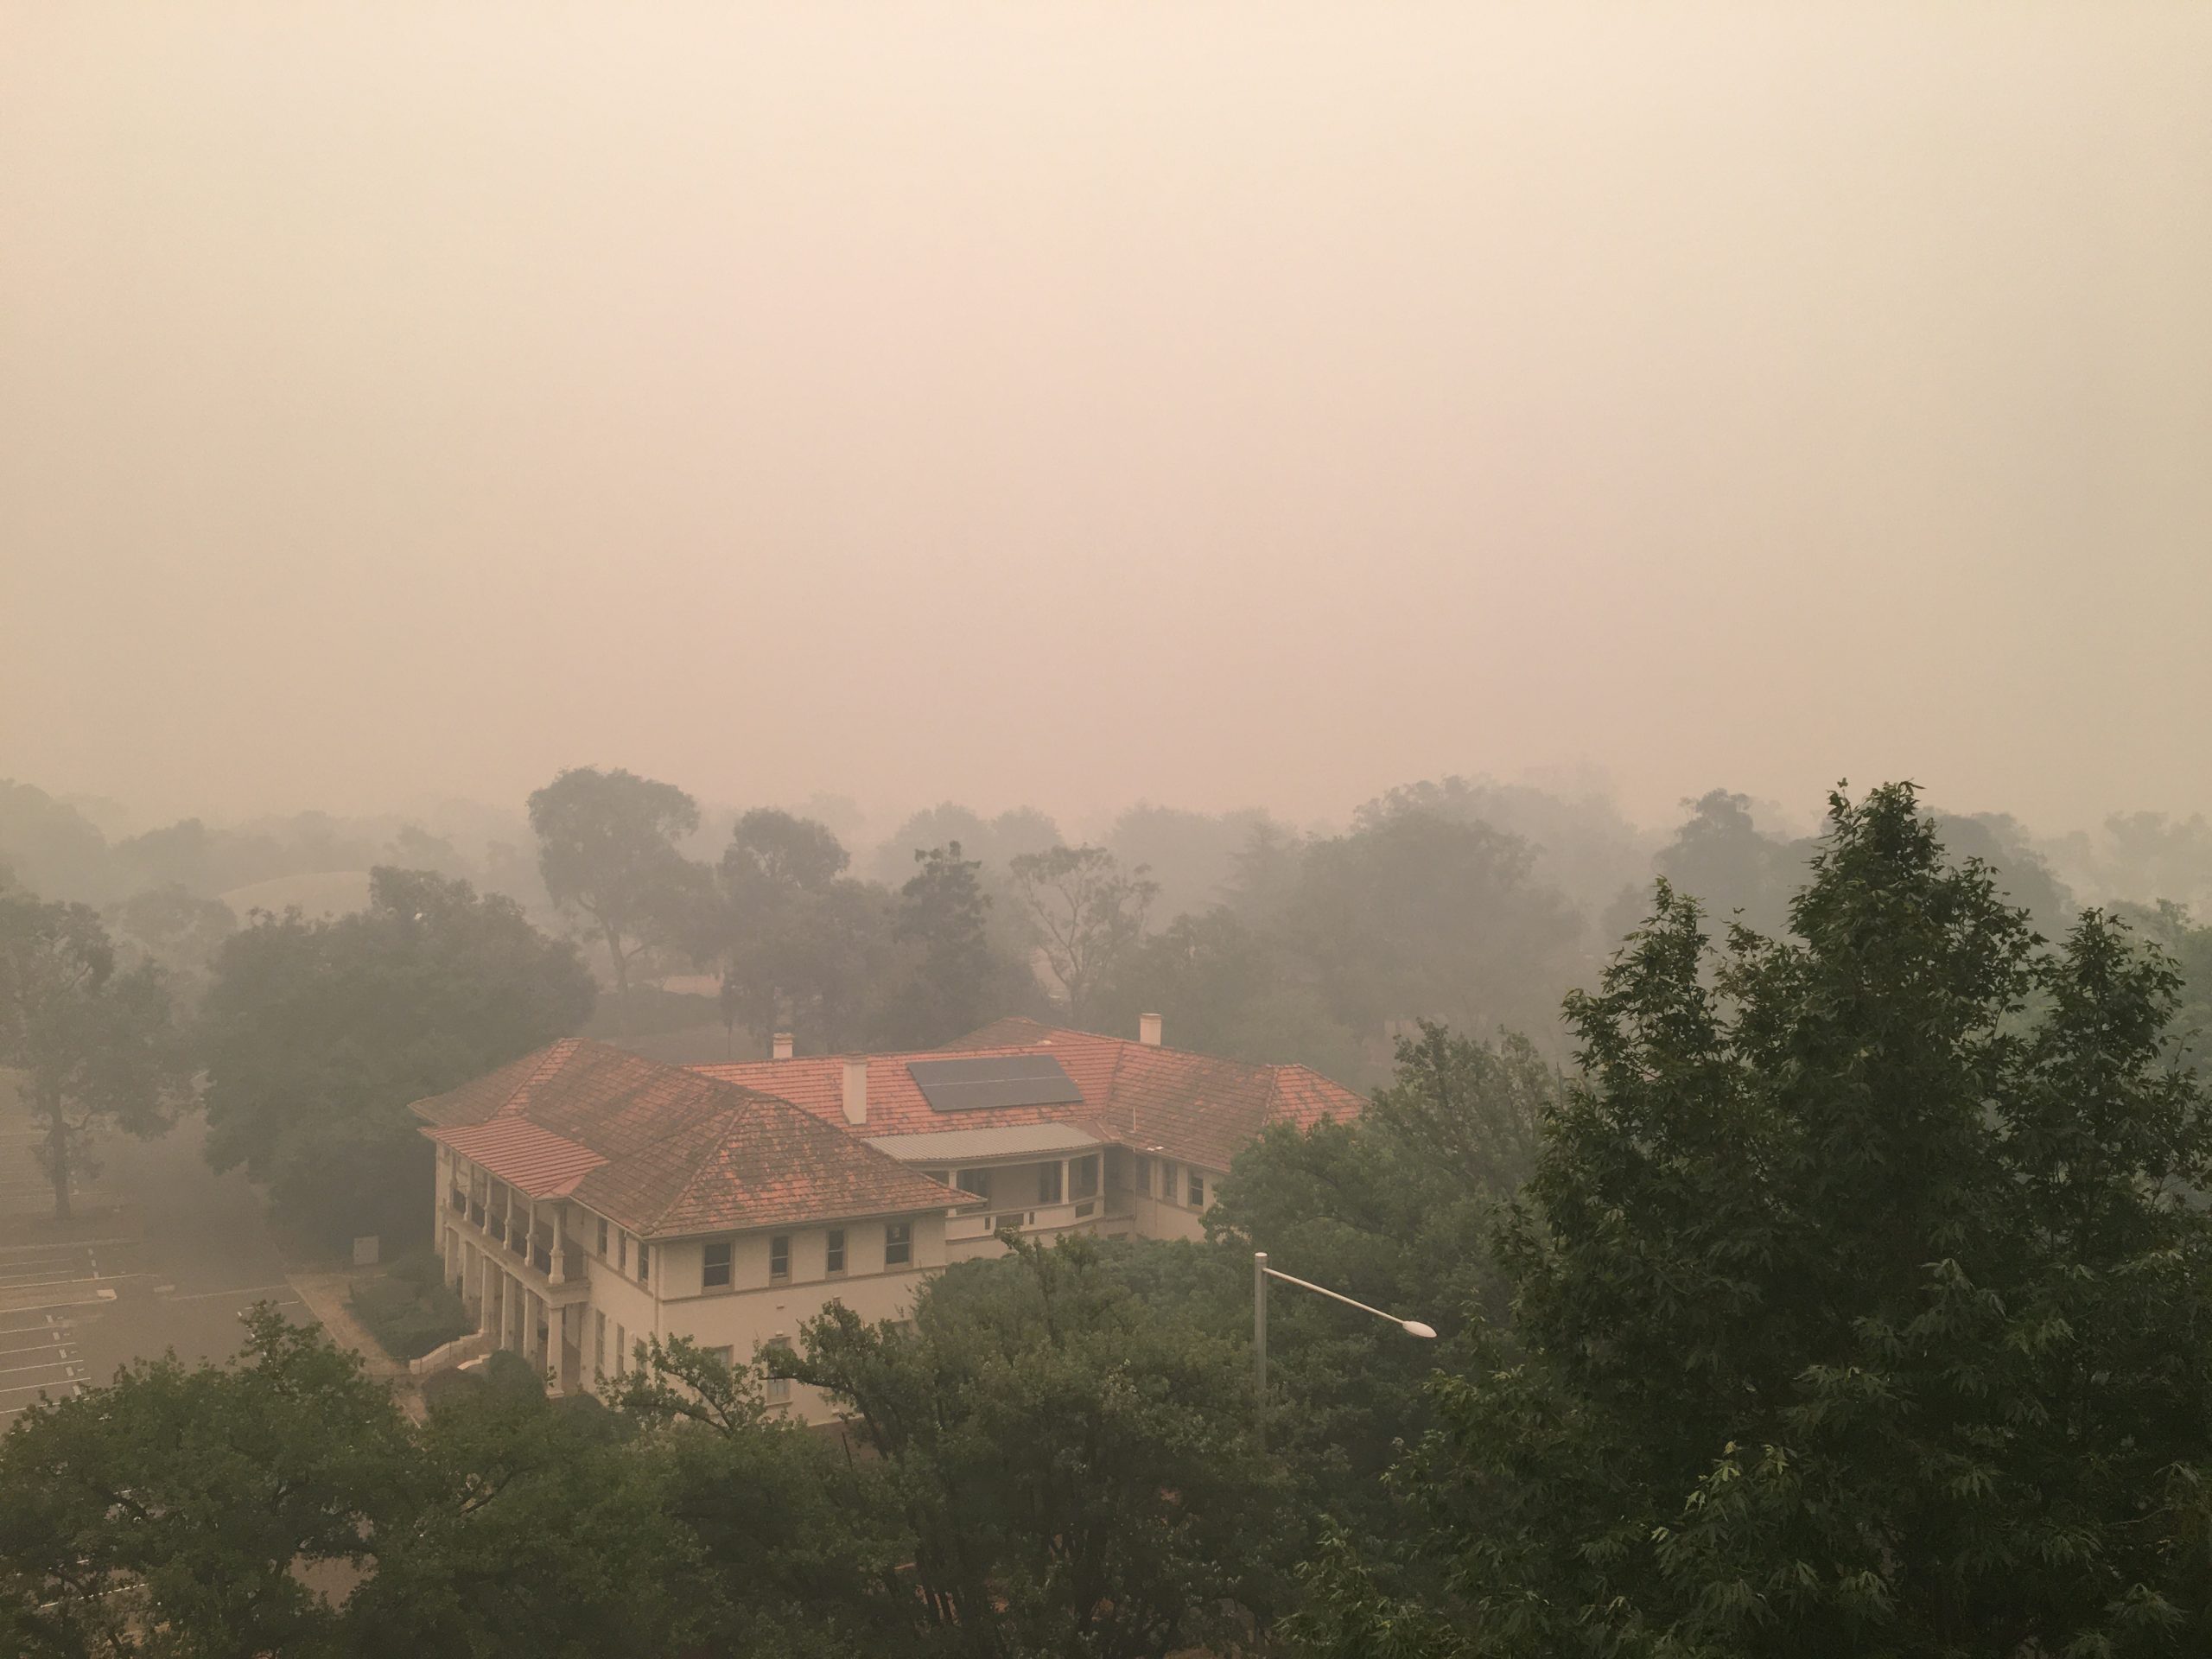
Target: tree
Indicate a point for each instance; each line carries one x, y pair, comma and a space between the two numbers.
1860, 1300
96, 1046
954, 980
802, 1544
170, 1513
317, 1034
1226, 988
205, 1512
1720, 858
1087, 912
1421, 916
797, 942
1395, 1207
531, 1526
178, 932
2188, 943
607, 848
1075, 1467
1192, 855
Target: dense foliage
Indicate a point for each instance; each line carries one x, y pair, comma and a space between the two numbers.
94, 1041
317, 1034
1859, 1300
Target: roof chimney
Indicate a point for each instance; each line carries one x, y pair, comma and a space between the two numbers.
856, 1092
1148, 1030
779, 1047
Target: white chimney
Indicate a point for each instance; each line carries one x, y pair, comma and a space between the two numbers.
1148, 1030
856, 1092
779, 1047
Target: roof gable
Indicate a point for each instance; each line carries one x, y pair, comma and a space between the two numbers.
664, 1151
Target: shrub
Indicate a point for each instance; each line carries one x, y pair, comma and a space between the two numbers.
409, 1311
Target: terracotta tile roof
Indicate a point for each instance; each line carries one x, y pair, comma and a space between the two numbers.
665, 1152
1192, 1107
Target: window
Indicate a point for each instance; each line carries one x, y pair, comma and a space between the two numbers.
779, 1258
1143, 1181
622, 1252
779, 1388
898, 1243
723, 1353
977, 1181
621, 1349
1167, 1181
835, 1260
602, 1240
1083, 1182
645, 1263
713, 1265
1048, 1183
599, 1343
1198, 1189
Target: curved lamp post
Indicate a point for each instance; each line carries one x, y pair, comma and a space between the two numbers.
1261, 1274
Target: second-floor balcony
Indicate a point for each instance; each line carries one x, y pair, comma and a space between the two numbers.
1084, 1215
507, 1239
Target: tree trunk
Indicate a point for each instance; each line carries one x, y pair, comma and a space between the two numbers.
621, 982
57, 1160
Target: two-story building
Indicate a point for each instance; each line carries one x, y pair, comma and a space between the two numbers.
588, 1198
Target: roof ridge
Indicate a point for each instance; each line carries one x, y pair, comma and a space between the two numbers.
557, 1054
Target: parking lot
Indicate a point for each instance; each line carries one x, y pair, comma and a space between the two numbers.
162, 1257
44, 1290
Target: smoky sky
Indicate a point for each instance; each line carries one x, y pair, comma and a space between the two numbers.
1212, 404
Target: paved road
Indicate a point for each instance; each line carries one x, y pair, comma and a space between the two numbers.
165, 1256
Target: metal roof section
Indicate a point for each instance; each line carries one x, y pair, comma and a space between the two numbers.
960, 1085
951, 1146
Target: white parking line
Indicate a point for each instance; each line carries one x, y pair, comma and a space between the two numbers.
67, 1245
38, 1388
51, 1365
206, 1295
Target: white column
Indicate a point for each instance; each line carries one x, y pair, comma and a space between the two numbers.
554, 1270
443, 1165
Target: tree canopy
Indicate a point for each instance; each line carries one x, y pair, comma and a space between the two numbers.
1856, 1299
316, 1035
95, 1043
607, 848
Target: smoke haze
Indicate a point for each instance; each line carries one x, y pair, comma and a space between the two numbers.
1219, 405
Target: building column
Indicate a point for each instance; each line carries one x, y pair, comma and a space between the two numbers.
553, 1270
439, 1176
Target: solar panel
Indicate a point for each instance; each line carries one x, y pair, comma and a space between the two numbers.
999, 1080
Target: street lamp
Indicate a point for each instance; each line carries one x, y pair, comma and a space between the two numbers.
1261, 1274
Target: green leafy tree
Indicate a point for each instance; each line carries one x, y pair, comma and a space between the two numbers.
607, 848
1225, 986
1088, 913
1075, 1465
285, 1505
1423, 917
954, 980
1394, 1208
2190, 943
802, 946
96, 1044
316, 1035
171, 1512
804, 1545
176, 930
1859, 1300
531, 1526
